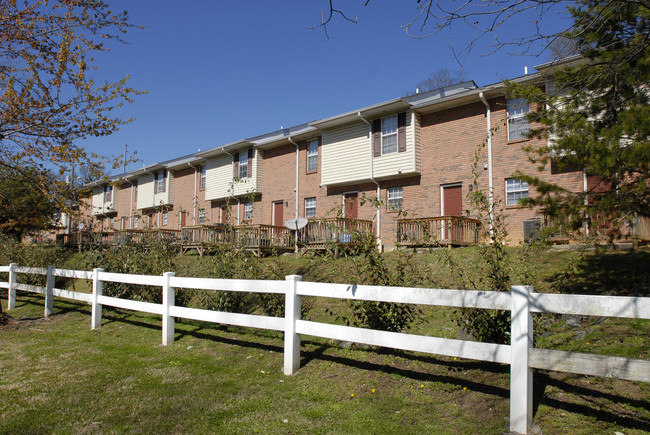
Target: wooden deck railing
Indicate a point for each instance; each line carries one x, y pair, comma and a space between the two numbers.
207, 234
263, 236
321, 232
442, 230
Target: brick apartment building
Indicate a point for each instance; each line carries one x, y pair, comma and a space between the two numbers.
415, 154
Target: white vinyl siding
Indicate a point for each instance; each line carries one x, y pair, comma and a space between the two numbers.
220, 184
146, 187
345, 155
102, 201
404, 163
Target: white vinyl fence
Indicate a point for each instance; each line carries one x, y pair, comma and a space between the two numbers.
521, 301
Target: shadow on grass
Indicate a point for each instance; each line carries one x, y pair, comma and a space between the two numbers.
318, 351
592, 408
609, 273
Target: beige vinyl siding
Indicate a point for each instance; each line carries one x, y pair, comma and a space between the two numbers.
417, 134
145, 191
162, 198
259, 166
218, 177
389, 165
244, 186
345, 155
98, 200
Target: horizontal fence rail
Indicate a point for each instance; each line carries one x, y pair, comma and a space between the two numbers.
521, 301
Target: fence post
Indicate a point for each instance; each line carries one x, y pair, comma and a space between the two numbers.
521, 376
96, 307
292, 309
167, 301
11, 296
49, 291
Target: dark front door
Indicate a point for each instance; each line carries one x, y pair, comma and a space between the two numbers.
453, 206
278, 213
351, 205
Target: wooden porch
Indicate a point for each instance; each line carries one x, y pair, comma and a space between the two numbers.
436, 231
332, 234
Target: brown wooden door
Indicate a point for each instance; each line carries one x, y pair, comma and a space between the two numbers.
453, 206
278, 213
183, 219
351, 205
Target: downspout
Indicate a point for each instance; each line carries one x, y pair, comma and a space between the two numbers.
586, 200
490, 182
194, 201
297, 175
232, 185
378, 235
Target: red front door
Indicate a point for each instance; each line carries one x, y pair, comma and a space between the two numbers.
453, 206
351, 205
278, 213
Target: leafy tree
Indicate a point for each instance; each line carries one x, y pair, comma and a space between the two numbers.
49, 99
24, 210
597, 116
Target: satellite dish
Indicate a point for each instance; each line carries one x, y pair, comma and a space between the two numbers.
296, 224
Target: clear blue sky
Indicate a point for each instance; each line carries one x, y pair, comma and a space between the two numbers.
217, 72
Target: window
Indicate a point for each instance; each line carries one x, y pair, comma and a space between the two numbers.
310, 207
201, 215
518, 125
243, 164
160, 181
515, 190
248, 210
394, 199
108, 193
164, 218
312, 156
112, 223
203, 176
135, 221
389, 135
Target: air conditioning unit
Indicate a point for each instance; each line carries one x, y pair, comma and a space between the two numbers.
531, 229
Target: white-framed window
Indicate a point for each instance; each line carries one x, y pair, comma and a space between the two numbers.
160, 181
164, 218
108, 193
112, 223
518, 125
201, 215
312, 155
395, 197
389, 135
310, 207
136, 219
248, 210
243, 164
203, 176
515, 190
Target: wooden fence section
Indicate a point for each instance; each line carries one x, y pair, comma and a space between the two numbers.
442, 230
521, 301
332, 233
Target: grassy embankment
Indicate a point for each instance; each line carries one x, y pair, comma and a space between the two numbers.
58, 375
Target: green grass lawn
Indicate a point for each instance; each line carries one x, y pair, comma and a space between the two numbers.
56, 375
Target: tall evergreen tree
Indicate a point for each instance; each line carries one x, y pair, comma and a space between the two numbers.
597, 118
